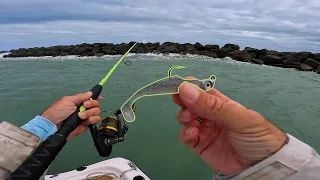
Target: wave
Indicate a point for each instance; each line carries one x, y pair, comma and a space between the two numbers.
162, 56
2, 54
118, 55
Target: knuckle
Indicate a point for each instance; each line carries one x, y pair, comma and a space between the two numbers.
97, 103
65, 98
98, 111
210, 103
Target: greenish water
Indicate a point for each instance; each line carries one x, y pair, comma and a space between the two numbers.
288, 98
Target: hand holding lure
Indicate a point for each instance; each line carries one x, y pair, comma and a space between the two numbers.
164, 86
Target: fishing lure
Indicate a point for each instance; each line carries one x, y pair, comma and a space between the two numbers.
164, 86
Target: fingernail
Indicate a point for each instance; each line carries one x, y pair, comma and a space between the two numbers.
82, 115
186, 114
189, 92
190, 131
86, 103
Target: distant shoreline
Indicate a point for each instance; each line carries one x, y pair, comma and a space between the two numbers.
303, 61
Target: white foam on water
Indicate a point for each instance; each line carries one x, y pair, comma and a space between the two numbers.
104, 56
2, 54
162, 57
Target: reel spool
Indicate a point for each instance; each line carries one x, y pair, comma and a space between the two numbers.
111, 131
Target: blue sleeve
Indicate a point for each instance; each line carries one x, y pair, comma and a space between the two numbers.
41, 127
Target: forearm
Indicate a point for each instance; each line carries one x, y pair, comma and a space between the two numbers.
16, 144
295, 160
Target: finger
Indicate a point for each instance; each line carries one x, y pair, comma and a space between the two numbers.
100, 98
224, 98
187, 119
88, 113
217, 93
92, 120
209, 106
176, 99
79, 130
189, 78
79, 98
91, 104
189, 136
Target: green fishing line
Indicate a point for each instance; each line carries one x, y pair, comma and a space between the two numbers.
105, 79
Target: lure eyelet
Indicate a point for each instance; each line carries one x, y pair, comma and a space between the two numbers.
213, 77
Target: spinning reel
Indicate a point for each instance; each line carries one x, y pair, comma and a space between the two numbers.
111, 131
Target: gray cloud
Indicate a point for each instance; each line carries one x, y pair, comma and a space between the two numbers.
289, 25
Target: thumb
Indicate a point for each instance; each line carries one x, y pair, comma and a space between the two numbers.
79, 98
209, 106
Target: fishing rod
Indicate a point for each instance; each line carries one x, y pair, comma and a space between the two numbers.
37, 163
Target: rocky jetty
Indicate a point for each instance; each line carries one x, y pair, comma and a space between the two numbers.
304, 61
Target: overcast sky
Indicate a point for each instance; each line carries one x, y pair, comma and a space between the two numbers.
288, 25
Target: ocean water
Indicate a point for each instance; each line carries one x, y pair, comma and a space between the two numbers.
290, 99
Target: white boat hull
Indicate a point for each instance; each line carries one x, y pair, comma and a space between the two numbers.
121, 168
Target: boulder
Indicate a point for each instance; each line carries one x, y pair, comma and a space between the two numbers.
155, 52
149, 47
67, 50
276, 53
79, 50
222, 53
276, 65
89, 53
99, 54
96, 46
109, 49
256, 61
291, 66
210, 47
187, 47
240, 55
123, 48
249, 49
312, 63
64, 53
172, 48
140, 50
262, 52
252, 51
208, 53
305, 67
288, 58
168, 47
233, 47
303, 56
317, 57
271, 59
199, 46
96, 50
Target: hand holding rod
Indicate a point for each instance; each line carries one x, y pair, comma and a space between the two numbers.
34, 167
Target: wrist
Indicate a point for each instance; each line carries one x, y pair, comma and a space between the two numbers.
259, 148
49, 118
278, 139
293, 161
40, 127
